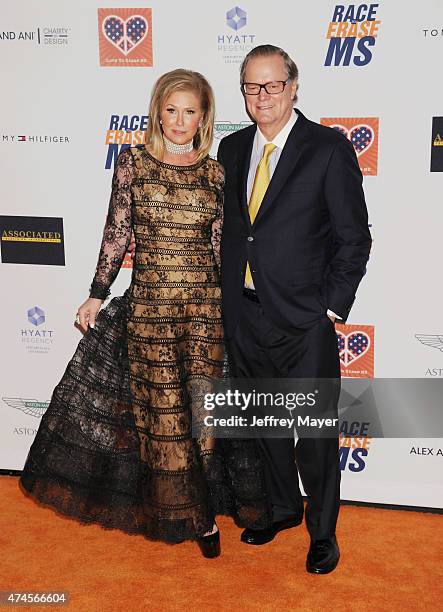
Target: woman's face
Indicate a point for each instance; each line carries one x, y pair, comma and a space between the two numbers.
181, 116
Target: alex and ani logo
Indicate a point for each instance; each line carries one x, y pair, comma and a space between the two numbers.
125, 37
363, 133
54, 36
352, 32
356, 350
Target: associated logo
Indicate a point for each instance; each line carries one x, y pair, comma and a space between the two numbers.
35, 138
234, 46
47, 35
32, 240
28, 406
363, 133
125, 37
352, 32
36, 316
236, 18
124, 131
356, 350
437, 145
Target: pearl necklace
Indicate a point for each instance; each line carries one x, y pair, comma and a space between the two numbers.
178, 149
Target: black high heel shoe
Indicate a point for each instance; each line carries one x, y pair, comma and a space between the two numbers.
210, 545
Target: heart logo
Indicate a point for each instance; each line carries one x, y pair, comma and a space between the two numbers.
352, 346
362, 136
125, 34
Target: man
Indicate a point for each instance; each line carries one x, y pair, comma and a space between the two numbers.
295, 244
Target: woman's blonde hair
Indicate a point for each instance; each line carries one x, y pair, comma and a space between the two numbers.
181, 80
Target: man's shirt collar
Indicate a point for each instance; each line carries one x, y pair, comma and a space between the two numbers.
280, 139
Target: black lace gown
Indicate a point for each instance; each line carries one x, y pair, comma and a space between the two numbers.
115, 446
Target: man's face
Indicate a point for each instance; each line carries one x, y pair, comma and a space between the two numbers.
270, 111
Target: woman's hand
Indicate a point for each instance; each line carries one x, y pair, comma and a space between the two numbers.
87, 313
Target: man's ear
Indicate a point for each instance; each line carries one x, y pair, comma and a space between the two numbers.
294, 87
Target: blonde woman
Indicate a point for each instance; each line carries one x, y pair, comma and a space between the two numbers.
115, 446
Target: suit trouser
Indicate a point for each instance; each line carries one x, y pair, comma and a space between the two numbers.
259, 349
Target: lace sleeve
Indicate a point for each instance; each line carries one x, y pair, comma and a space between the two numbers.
117, 231
217, 224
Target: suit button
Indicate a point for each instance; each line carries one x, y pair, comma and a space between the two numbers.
250, 238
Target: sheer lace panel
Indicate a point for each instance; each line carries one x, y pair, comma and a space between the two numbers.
217, 224
117, 445
117, 231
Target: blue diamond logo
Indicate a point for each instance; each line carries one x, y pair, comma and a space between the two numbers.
36, 316
236, 18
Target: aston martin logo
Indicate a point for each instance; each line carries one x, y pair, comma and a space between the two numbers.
433, 340
28, 406
224, 128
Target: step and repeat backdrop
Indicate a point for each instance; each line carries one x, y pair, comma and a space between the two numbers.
76, 80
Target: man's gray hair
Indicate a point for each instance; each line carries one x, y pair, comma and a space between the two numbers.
262, 50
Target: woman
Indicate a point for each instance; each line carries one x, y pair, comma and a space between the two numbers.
115, 445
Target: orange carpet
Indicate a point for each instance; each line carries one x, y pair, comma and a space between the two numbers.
390, 560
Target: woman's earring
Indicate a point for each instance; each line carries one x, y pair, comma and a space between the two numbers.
161, 122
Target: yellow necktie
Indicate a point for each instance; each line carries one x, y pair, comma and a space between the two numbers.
261, 183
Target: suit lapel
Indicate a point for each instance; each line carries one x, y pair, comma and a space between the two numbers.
289, 157
244, 158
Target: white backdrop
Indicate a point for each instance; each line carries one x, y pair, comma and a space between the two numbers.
54, 86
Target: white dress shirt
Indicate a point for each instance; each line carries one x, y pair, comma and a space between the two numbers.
257, 150
257, 153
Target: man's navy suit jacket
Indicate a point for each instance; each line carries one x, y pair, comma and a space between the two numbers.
310, 241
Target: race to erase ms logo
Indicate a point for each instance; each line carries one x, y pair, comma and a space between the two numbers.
125, 37
356, 350
354, 444
352, 34
123, 131
363, 133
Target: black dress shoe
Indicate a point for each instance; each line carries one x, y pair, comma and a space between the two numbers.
263, 536
210, 545
323, 556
